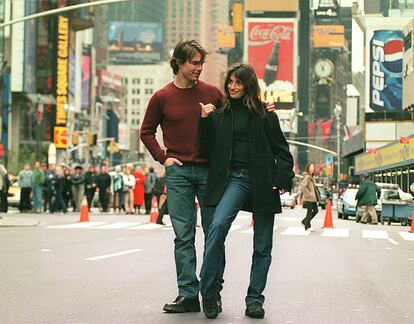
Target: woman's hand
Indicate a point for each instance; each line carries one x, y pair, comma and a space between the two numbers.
206, 109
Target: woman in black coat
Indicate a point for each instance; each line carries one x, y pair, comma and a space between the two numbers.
249, 163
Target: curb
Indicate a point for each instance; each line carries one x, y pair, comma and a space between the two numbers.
17, 223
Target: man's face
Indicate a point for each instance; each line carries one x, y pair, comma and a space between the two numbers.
37, 165
191, 69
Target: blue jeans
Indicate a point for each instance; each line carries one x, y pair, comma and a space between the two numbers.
184, 183
37, 198
237, 192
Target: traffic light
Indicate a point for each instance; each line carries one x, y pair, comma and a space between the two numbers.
92, 138
75, 139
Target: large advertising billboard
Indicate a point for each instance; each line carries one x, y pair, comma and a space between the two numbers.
271, 47
134, 42
386, 49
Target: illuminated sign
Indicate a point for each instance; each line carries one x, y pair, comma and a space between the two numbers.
60, 137
226, 37
62, 70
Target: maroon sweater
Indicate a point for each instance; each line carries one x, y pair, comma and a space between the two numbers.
177, 111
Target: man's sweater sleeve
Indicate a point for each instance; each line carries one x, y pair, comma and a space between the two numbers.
152, 118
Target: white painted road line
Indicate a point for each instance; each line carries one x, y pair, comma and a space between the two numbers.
393, 241
373, 234
295, 230
335, 232
106, 256
407, 236
78, 225
118, 225
145, 227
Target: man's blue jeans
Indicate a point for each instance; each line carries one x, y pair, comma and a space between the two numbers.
37, 198
183, 184
236, 193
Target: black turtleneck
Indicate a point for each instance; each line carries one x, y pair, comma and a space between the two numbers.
240, 153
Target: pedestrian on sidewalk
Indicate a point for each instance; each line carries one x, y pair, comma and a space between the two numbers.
367, 195
139, 189
78, 187
25, 183
128, 189
67, 189
118, 186
58, 203
242, 141
48, 187
4, 188
176, 109
103, 183
310, 196
150, 180
90, 185
37, 181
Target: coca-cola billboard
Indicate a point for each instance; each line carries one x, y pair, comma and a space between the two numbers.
270, 47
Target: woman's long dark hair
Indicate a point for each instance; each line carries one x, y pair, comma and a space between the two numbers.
247, 76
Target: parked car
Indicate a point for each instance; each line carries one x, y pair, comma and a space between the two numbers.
13, 196
388, 190
324, 195
347, 203
288, 200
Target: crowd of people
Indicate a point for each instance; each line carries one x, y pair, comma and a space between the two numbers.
58, 188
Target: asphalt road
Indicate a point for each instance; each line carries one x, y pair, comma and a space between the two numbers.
117, 269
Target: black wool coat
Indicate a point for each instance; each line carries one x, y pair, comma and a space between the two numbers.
271, 160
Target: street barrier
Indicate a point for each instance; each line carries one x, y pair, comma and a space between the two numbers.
84, 211
154, 211
328, 223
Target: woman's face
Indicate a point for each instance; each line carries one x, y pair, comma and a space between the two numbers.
235, 87
311, 169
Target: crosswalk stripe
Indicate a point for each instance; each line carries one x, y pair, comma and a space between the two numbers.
234, 227
118, 225
78, 225
295, 230
407, 236
373, 234
335, 232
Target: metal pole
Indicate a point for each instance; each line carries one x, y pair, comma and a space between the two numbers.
338, 141
60, 10
312, 146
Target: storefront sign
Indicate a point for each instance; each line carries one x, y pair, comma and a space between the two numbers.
62, 70
393, 155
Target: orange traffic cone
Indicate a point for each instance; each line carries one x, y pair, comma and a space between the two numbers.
294, 204
84, 211
412, 224
154, 211
328, 216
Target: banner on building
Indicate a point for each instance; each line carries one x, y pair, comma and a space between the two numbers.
271, 47
123, 136
134, 42
86, 78
60, 137
328, 36
386, 51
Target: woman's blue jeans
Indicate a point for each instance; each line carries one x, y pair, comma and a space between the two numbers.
238, 190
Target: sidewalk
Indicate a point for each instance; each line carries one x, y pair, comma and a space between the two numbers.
6, 221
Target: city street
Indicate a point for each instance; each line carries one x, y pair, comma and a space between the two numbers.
119, 269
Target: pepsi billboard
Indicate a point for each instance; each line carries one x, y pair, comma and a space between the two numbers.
386, 64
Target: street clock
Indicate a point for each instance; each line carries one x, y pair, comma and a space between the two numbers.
323, 68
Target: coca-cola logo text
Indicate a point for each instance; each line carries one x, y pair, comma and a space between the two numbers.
263, 35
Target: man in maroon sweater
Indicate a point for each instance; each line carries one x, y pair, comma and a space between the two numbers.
176, 108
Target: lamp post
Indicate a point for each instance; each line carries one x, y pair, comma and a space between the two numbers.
337, 113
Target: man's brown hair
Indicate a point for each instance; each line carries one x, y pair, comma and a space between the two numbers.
185, 51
